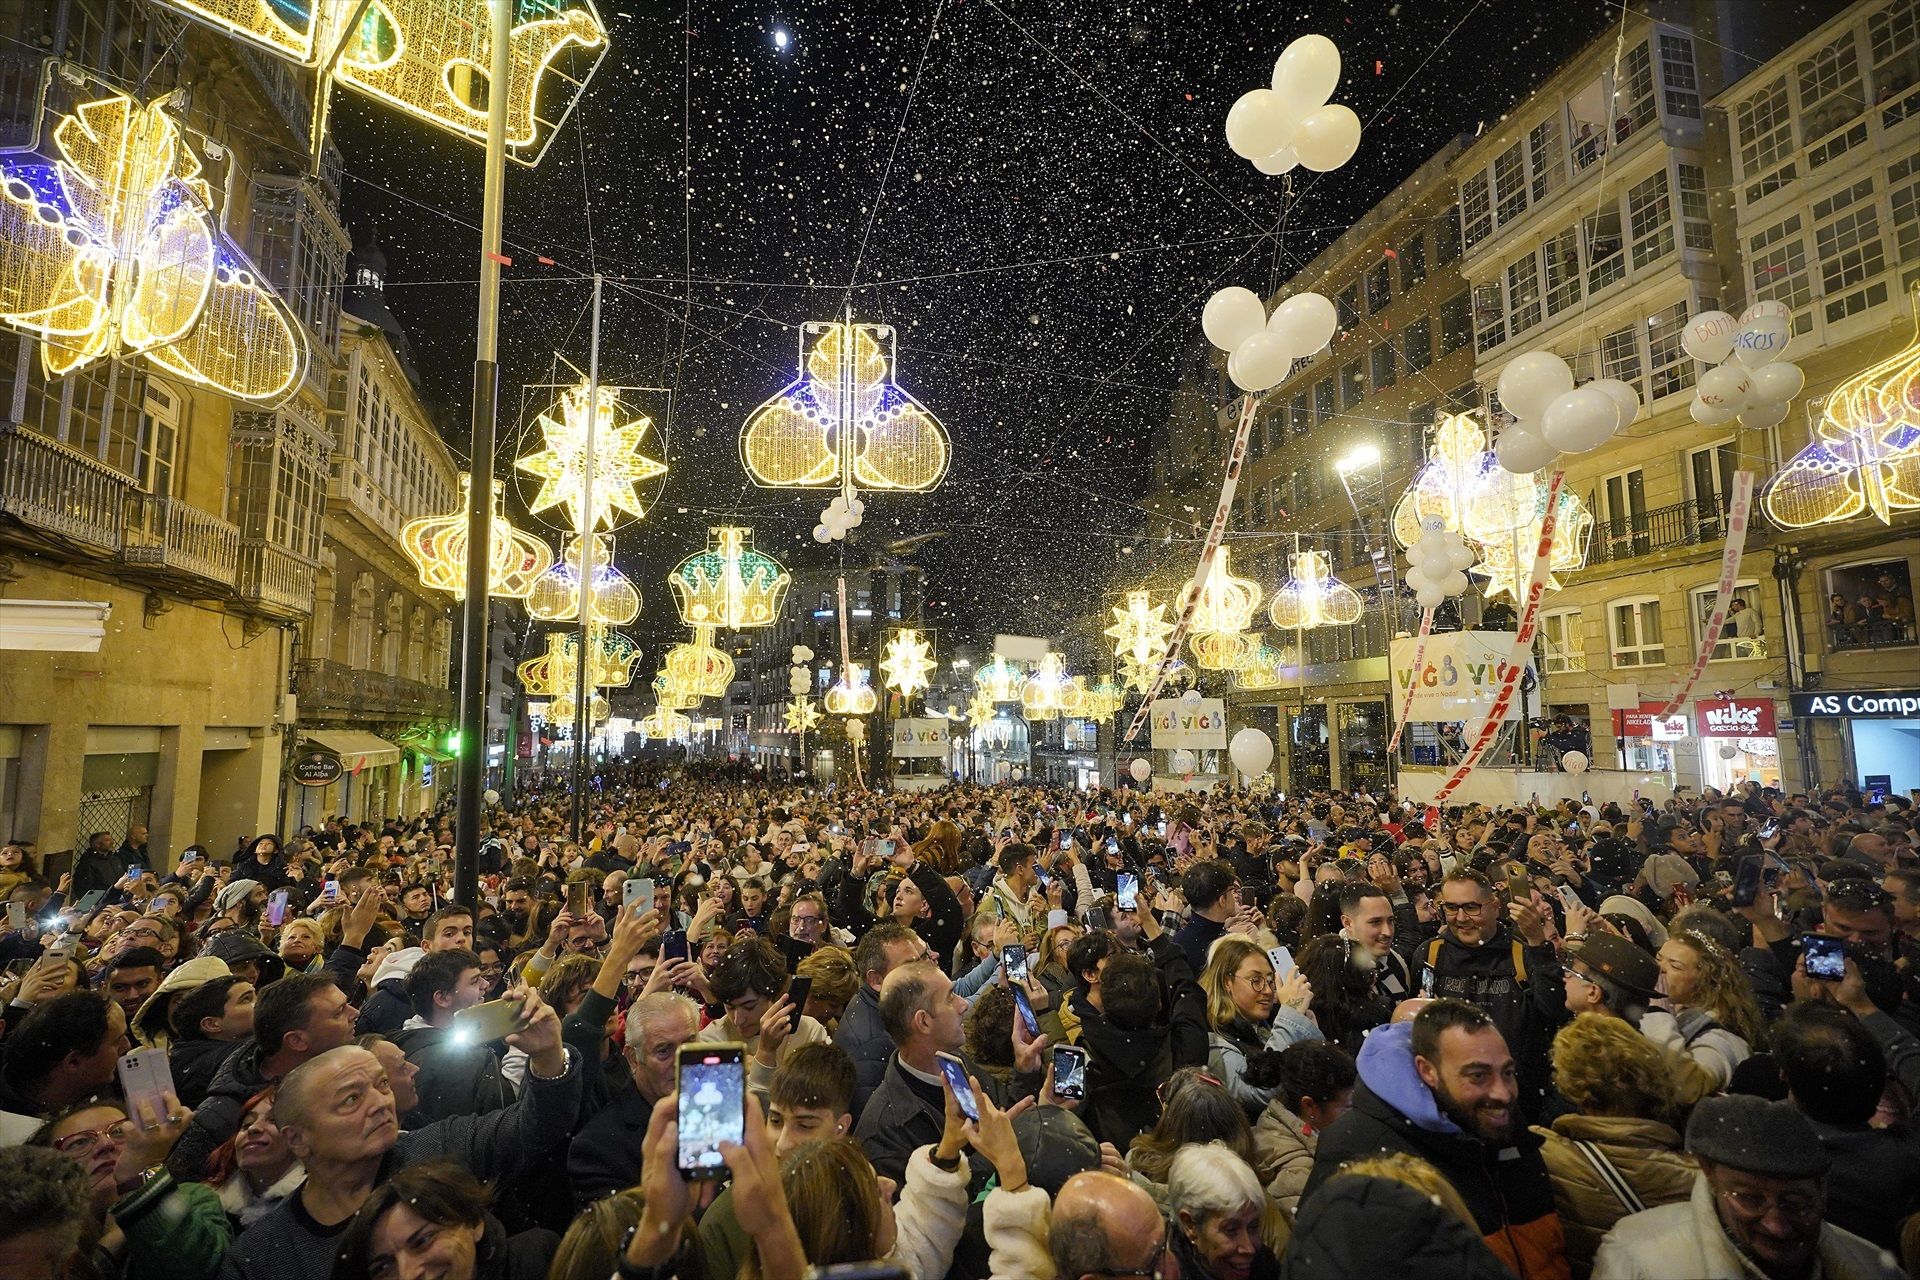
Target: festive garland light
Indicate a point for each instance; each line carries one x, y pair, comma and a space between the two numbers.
1000, 680
1225, 603
112, 250
1140, 630
1313, 597
1865, 456
1265, 671
730, 585
437, 545
667, 724
802, 715
908, 662
852, 695
612, 599
844, 421
1103, 699
617, 463
1223, 650
980, 708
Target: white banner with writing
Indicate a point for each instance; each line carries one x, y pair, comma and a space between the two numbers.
1456, 678
1200, 726
921, 738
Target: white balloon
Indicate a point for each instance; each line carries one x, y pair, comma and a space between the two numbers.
838, 506
858, 507
1191, 698
1305, 322
797, 683
1462, 557
1711, 415
1574, 761
1231, 316
1581, 420
1623, 395
1761, 416
1728, 751
1183, 761
1307, 72
1417, 553
490, 796
1327, 138
1530, 382
1726, 387
1285, 160
1776, 382
1521, 452
1140, 769
1260, 123
1430, 597
1260, 362
822, 534
1762, 340
1709, 336
1251, 752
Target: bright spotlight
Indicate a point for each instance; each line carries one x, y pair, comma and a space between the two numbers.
1364, 456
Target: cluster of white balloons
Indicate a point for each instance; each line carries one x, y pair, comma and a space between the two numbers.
799, 679
842, 514
1261, 349
1291, 123
1440, 558
1752, 382
1251, 752
1552, 416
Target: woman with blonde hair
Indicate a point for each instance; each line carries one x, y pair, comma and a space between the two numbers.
844, 1211
1621, 1137
1714, 1022
1249, 1011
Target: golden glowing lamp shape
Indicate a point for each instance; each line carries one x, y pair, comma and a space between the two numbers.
802, 715
112, 251
667, 724
1865, 455
844, 422
1225, 603
1313, 597
672, 694
852, 695
428, 58
699, 667
562, 709
1000, 680
618, 465
612, 598
437, 545
1140, 629
555, 672
908, 662
1103, 699
1223, 650
1045, 695
730, 585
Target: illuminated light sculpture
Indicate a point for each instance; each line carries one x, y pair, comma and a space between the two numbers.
699, 667
1223, 650
730, 585
802, 715
1103, 699
112, 250
562, 708
1265, 671
1225, 603
851, 695
611, 663
1865, 455
672, 694
844, 422
1000, 680
980, 708
428, 58
908, 662
1499, 513
437, 545
555, 597
618, 464
1313, 597
667, 724
1140, 630
1140, 676
1045, 694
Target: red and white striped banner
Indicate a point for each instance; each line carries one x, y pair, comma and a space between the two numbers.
1215, 532
1522, 648
1406, 703
1737, 511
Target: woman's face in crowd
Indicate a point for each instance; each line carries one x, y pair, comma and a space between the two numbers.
908, 902
260, 1147
405, 1246
1251, 987
1679, 971
1227, 1242
94, 1137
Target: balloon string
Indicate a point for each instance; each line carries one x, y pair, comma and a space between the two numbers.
1406, 703
1737, 512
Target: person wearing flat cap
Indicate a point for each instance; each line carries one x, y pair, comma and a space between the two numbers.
1757, 1212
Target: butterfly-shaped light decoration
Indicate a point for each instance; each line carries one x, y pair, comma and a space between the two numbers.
730, 585
437, 545
617, 464
908, 662
1313, 597
1140, 629
851, 695
428, 58
112, 249
611, 596
1865, 455
844, 422
802, 715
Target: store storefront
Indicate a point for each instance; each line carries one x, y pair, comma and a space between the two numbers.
1646, 738
1739, 742
1881, 728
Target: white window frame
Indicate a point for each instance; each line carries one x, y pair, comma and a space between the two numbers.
1636, 651
1564, 641
1700, 604
157, 448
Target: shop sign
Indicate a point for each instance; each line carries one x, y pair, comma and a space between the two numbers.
1459, 676
1647, 722
1859, 704
426, 773
1734, 718
316, 768
1200, 726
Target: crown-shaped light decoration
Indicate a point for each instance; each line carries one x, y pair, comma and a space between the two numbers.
730, 585
1103, 699
611, 596
666, 724
1225, 603
671, 694
113, 251
1499, 513
1045, 694
1312, 596
699, 667
844, 422
1865, 455
1265, 671
1140, 629
908, 662
618, 465
980, 708
802, 715
554, 672
1000, 680
1223, 650
437, 545
429, 58
851, 695
561, 709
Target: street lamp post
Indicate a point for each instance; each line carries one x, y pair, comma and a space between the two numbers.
1364, 480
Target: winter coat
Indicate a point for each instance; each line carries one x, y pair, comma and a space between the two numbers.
605, 1155
174, 1230
1685, 1241
1125, 1070
1874, 1180
218, 1116
1645, 1152
1229, 1048
1366, 1228
245, 1206
1520, 987
864, 1038
1285, 1149
906, 1113
195, 1063
1693, 1034
387, 1008
456, 1078
1017, 1223
1506, 1188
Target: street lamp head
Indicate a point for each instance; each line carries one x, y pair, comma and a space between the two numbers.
1358, 460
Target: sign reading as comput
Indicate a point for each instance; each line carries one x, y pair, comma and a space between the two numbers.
1459, 674
1200, 726
1862, 704
920, 738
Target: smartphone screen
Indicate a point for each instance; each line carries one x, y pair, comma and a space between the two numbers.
1568, 898
713, 1101
331, 889
1161, 827
1069, 1071
956, 1075
277, 908
133, 870
1282, 960
17, 916
91, 902
632, 891
1025, 1008
487, 1021
1066, 840
1826, 957
1746, 881
1769, 829
798, 989
1013, 958
884, 848
145, 1077
1518, 890
1128, 892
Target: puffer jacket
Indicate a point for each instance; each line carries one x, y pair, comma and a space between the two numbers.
1685, 1241
1365, 1228
1285, 1148
1645, 1152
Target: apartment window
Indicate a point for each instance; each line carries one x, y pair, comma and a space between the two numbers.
1633, 94
1764, 126
1587, 124
1510, 183
1489, 316
1903, 196
1846, 239
1383, 361
1606, 251
1669, 369
1622, 513
1777, 269
1831, 93
156, 447
1893, 42
1561, 638
1620, 356
1456, 324
1696, 230
1523, 294
1324, 404
1743, 635
1259, 508
1650, 220
1300, 414
1283, 496
1446, 239
1306, 487
1346, 307
1353, 382
1681, 84
1635, 632
1476, 210
1413, 260
1543, 158
1379, 287
1417, 339
1561, 255
1462, 398
1709, 474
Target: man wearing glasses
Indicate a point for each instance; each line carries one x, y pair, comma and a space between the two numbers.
1107, 1228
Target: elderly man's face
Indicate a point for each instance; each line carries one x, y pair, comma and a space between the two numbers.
1776, 1221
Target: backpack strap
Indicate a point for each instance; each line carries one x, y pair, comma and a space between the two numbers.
1610, 1177
1433, 951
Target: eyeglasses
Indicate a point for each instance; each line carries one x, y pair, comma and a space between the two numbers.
1751, 1204
87, 1141
1258, 981
1462, 908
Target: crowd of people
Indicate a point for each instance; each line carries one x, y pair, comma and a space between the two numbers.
1005, 1032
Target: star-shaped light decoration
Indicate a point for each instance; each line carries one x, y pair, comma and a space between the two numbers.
1140, 677
1313, 597
802, 715
618, 465
908, 662
1140, 629
851, 695
980, 708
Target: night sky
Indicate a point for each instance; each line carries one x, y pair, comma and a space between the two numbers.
1039, 197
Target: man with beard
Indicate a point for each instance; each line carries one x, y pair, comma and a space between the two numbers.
1444, 1089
